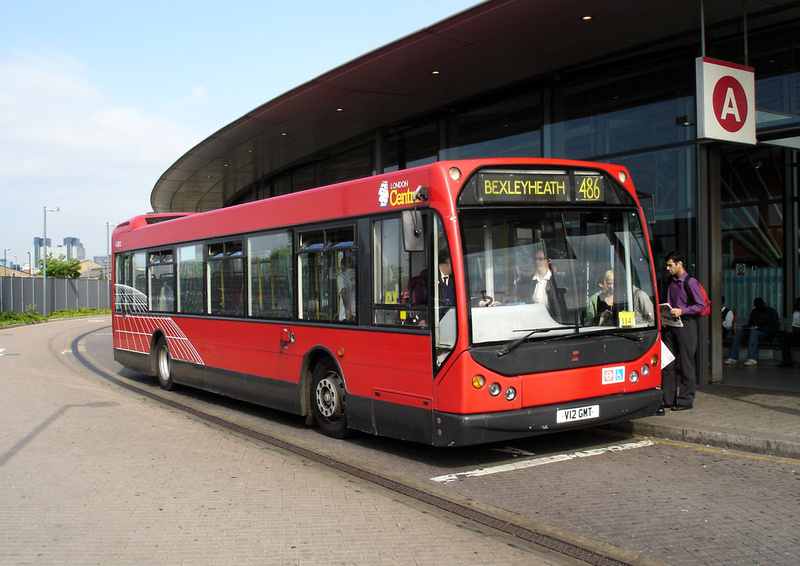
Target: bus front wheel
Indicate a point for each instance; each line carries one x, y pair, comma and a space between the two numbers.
328, 400
163, 365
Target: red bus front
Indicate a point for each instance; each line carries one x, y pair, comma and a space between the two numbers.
561, 329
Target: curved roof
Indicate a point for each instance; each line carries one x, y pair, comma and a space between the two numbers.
490, 46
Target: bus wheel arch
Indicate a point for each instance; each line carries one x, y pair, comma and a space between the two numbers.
327, 396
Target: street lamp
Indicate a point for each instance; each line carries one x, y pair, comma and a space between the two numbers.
44, 261
5, 272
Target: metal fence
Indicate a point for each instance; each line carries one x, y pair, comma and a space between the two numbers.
20, 293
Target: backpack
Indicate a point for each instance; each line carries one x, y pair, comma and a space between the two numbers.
693, 300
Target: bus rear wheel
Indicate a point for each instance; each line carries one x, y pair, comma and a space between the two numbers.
163, 365
328, 400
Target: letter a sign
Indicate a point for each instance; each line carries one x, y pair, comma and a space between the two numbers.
726, 101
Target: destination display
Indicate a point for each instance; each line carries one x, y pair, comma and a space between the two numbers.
505, 187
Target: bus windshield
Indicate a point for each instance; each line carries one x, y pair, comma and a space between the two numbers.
546, 273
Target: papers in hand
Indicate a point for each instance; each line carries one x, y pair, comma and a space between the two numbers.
666, 316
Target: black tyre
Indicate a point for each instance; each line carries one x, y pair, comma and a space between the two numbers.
328, 400
163, 365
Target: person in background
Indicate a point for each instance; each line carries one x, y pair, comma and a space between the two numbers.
789, 339
681, 341
763, 324
346, 282
727, 319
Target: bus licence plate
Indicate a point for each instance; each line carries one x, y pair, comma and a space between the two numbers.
578, 414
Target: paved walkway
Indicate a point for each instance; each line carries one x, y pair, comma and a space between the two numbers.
94, 474
753, 409
85, 482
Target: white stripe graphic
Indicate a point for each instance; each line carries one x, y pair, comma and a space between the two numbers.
135, 330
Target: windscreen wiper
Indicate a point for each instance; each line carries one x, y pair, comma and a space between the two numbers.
627, 335
507, 349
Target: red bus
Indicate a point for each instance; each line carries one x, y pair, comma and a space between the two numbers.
456, 303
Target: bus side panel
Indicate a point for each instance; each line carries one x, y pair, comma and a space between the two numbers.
390, 419
387, 365
249, 360
259, 349
132, 360
236, 347
268, 392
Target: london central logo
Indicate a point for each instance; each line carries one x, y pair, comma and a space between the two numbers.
383, 194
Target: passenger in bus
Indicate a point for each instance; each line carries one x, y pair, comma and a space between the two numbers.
642, 307
536, 283
165, 300
446, 288
600, 306
600, 309
346, 283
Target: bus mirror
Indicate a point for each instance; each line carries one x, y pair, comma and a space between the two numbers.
412, 231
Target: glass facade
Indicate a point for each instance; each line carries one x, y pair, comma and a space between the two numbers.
637, 111
754, 219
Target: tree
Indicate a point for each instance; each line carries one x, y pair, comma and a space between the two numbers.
61, 268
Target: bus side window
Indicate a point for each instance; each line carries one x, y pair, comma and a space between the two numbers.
271, 272
190, 279
396, 276
161, 271
320, 259
225, 269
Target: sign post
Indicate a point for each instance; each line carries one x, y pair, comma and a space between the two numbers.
726, 101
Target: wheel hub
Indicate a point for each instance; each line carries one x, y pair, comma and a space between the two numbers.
328, 401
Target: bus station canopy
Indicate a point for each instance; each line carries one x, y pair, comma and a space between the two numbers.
491, 46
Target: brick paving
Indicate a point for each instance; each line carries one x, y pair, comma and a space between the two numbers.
92, 474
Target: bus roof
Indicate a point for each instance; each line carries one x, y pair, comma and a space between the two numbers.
370, 195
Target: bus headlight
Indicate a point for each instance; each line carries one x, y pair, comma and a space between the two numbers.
634, 376
455, 173
495, 389
511, 394
645, 370
478, 381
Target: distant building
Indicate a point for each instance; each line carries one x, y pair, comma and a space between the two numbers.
75, 249
91, 270
38, 251
12, 271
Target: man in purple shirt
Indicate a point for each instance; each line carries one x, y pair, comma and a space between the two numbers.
681, 340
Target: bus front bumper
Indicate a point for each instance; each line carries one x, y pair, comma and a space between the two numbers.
462, 430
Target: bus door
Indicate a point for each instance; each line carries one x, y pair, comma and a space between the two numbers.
409, 294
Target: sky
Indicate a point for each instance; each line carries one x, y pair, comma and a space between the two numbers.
99, 98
